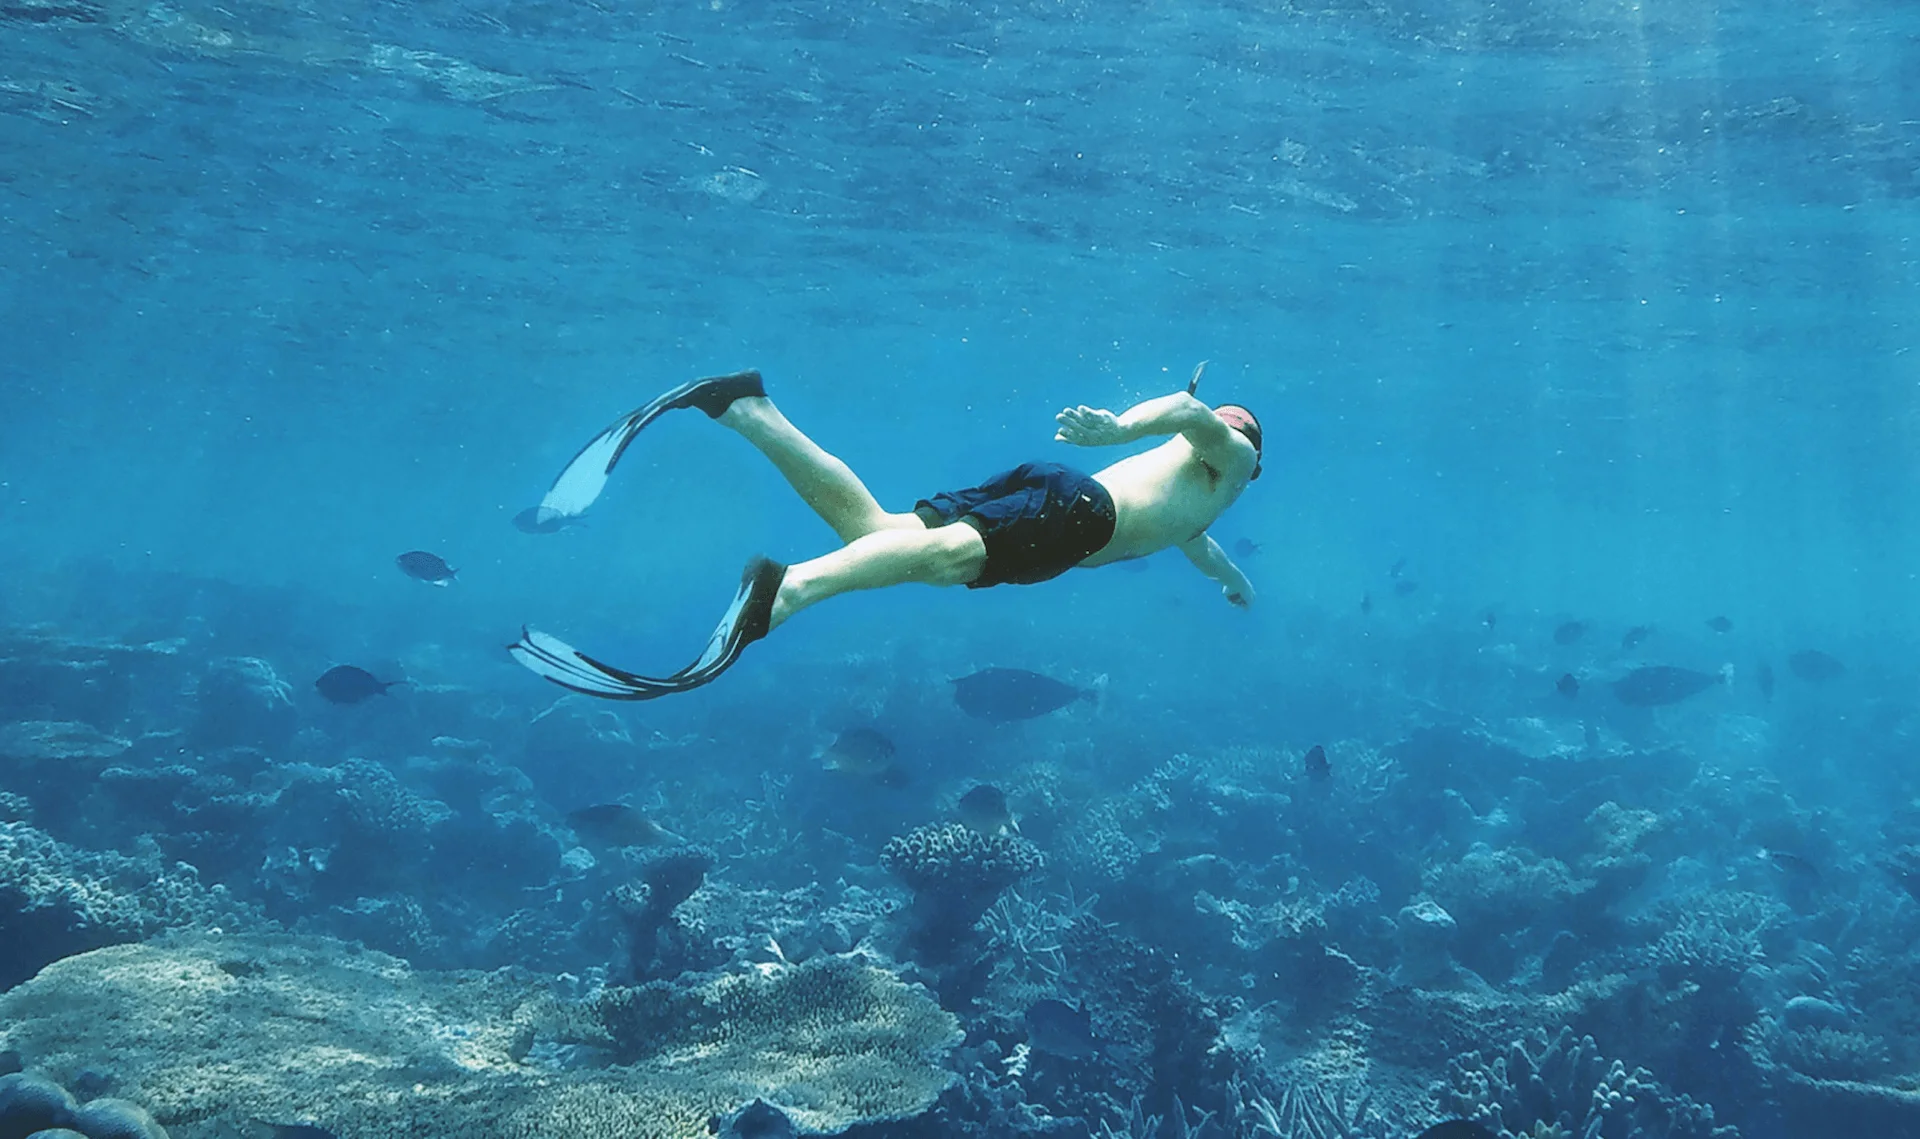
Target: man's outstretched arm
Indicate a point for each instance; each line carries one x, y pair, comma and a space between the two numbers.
1176, 414
1210, 559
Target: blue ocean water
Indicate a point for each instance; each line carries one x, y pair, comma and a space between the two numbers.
1593, 312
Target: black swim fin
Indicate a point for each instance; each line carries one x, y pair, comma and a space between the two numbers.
746, 621
585, 475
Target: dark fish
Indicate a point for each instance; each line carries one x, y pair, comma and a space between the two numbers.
1905, 869
616, 824
1456, 1129
1059, 1028
541, 520
1663, 684
1814, 666
1489, 619
1318, 769
1405, 588
1394, 570
1569, 632
757, 1120
1366, 603
1764, 676
1720, 624
1568, 685
866, 753
1245, 547
1793, 864
984, 810
1013, 694
1636, 636
345, 684
422, 566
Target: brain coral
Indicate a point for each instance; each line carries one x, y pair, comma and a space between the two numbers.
217, 1030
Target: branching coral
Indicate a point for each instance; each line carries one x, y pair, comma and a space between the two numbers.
55, 900
1303, 1109
1566, 1083
1712, 938
955, 874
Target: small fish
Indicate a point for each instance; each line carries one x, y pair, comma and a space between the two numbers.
1318, 769
1815, 667
1366, 603
1456, 1129
541, 520
1763, 675
1245, 548
984, 810
1490, 619
1568, 685
1005, 694
616, 824
1793, 864
1569, 632
1398, 566
1720, 625
465, 749
345, 684
863, 752
1635, 637
1061, 1029
1661, 684
422, 566
1404, 588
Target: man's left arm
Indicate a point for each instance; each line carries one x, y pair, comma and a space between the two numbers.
1210, 559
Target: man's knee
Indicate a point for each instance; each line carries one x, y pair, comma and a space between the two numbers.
956, 556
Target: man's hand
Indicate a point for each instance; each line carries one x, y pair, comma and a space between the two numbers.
1091, 427
1238, 598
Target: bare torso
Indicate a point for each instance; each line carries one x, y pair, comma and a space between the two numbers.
1161, 498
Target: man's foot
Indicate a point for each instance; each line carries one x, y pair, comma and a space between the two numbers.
759, 586
715, 394
585, 475
746, 620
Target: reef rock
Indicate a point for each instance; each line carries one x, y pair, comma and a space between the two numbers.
209, 1031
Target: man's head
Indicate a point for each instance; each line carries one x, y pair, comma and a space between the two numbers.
1243, 421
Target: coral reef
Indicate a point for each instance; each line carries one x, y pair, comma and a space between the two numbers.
955, 874
830, 1042
667, 878
1565, 1083
56, 901
304, 1028
1270, 952
1491, 892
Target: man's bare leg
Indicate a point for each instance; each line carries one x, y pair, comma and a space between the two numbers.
827, 485
949, 555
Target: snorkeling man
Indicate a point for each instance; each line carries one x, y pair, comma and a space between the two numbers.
1027, 525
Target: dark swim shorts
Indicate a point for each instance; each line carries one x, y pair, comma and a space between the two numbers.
1038, 520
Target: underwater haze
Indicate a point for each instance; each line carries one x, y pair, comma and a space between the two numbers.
1567, 736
